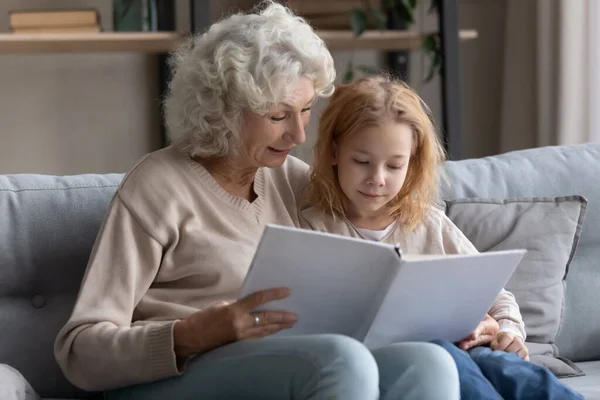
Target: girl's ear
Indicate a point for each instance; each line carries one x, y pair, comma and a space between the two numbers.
334, 156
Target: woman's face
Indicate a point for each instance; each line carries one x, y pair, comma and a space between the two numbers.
268, 139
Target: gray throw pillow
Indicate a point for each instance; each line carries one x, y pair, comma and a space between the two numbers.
549, 228
13, 386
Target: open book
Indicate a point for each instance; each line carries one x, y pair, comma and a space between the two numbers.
372, 291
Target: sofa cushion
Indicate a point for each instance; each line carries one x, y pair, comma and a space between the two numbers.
47, 230
588, 385
549, 229
13, 386
549, 172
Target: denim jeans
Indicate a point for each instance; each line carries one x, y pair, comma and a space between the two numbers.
486, 374
306, 367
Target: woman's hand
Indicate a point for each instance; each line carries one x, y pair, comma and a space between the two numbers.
225, 323
511, 343
486, 332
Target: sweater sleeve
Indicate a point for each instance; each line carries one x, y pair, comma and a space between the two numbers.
505, 309
98, 348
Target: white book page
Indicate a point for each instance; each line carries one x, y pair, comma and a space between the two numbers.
337, 283
441, 297
420, 257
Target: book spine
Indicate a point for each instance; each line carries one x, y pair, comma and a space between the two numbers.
398, 250
64, 29
49, 19
320, 7
329, 14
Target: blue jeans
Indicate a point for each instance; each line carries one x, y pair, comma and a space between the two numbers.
495, 375
309, 367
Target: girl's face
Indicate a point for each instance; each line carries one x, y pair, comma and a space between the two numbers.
372, 166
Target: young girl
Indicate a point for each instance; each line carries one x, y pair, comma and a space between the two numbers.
375, 176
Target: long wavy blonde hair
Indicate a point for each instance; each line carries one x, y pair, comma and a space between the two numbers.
368, 102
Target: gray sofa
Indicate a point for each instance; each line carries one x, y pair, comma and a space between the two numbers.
48, 226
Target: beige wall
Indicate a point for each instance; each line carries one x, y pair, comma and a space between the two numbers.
79, 113
482, 65
75, 113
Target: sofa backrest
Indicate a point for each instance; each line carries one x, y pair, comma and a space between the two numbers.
47, 229
550, 172
48, 226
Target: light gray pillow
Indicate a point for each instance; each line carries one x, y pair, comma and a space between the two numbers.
549, 228
13, 386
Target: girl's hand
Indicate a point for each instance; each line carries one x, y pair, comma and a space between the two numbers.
511, 343
486, 332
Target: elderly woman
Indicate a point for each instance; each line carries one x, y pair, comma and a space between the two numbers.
158, 314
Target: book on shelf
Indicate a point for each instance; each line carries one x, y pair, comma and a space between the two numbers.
59, 29
320, 7
55, 21
333, 14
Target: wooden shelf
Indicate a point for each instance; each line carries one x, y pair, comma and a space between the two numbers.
138, 42
163, 42
381, 40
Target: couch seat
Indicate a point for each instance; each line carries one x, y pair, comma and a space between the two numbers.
588, 385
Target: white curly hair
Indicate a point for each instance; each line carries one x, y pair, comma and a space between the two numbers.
243, 62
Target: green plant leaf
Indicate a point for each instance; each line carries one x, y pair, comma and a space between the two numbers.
358, 21
413, 3
430, 74
434, 67
430, 44
390, 5
349, 75
405, 11
368, 70
379, 17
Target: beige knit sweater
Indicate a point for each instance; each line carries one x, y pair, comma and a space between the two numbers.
173, 242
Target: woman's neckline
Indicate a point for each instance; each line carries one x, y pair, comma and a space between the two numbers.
241, 204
